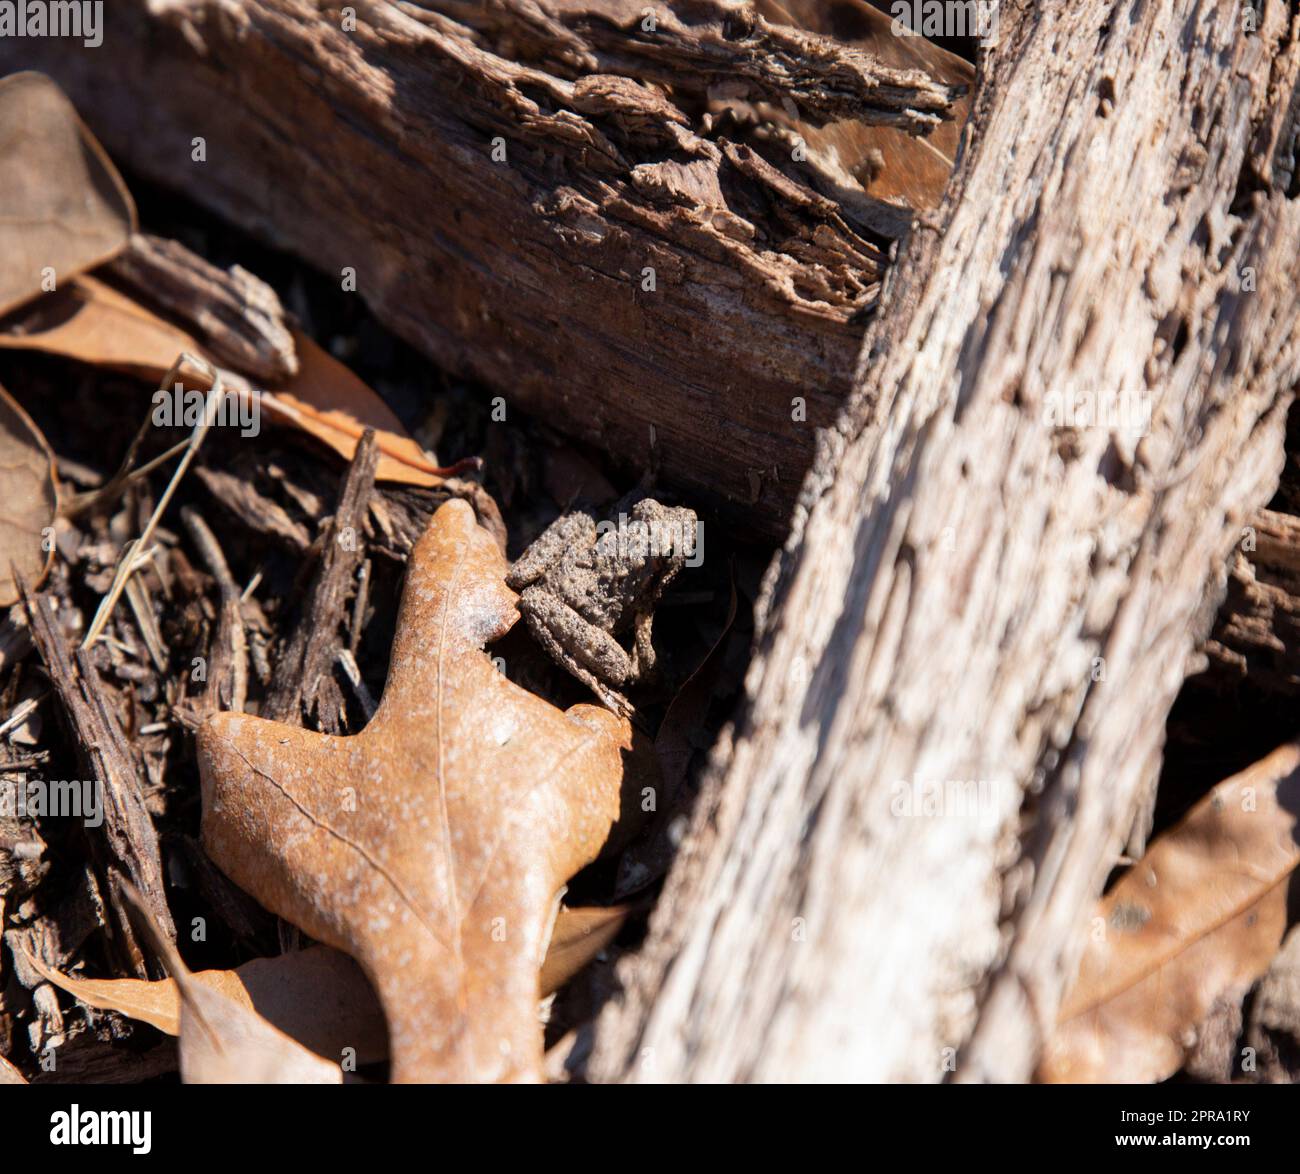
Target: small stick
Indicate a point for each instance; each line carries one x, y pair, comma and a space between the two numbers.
348, 663
232, 621
20, 713
127, 563
360, 602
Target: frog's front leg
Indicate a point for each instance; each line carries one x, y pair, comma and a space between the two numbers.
590, 653
576, 531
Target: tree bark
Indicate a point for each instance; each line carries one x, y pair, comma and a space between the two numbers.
1257, 635
510, 200
962, 570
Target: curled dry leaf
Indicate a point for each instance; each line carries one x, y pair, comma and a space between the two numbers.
222, 1039
316, 996
94, 323
30, 494
326, 400
580, 934
66, 208
432, 845
1193, 924
224, 1042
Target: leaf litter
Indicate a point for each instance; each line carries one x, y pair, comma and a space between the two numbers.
1192, 925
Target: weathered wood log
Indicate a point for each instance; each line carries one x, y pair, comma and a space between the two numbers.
512, 201
974, 634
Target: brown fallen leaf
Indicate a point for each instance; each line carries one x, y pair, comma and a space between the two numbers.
316, 996
66, 208
326, 400
888, 163
432, 845
96, 324
1193, 924
319, 996
93, 323
31, 498
580, 934
222, 1039
223, 1042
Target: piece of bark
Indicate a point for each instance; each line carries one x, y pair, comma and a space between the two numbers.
237, 316
961, 571
699, 46
125, 844
55, 937
304, 684
85, 1058
615, 272
255, 510
227, 676
1257, 633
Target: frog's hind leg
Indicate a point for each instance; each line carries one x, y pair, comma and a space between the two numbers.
590, 654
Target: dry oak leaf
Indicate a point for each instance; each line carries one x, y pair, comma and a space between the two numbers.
221, 1039
433, 845
1192, 925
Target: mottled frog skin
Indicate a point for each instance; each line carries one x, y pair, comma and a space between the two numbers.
583, 584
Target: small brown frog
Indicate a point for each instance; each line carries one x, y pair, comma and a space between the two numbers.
585, 583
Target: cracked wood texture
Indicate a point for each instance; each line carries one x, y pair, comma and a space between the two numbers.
957, 564
372, 148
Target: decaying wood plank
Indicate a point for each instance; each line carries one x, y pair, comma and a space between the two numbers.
972, 639
516, 202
